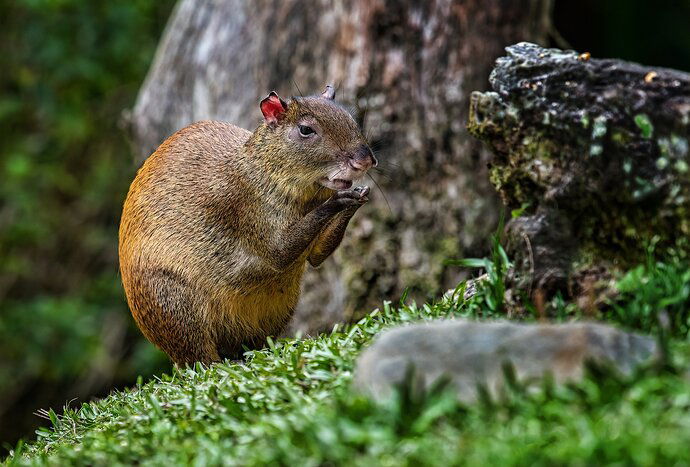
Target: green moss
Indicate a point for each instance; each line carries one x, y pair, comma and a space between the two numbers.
599, 127
681, 166
584, 120
679, 146
627, 166
643, 123
620, 137
545, 155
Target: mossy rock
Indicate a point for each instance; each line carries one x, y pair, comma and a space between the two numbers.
597, 147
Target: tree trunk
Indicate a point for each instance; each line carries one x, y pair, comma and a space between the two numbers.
406, 68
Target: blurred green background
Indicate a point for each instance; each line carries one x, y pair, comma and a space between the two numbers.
69, 69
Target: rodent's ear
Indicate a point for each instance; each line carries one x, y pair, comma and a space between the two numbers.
273, 108
329, 92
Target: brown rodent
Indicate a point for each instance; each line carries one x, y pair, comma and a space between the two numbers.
219, 223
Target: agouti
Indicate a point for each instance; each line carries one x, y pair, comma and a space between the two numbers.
219, 223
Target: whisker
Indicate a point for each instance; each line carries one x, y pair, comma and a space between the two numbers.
352, 110
385, 175
298, 89
342, 169
385, 159
363, 120
382, 193
377, 145
373, 129
387, 166
387, 170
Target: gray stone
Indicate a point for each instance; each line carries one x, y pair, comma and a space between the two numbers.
474, 353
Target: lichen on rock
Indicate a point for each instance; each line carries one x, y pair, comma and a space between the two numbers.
597, 147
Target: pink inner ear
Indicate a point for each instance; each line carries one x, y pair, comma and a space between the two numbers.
272, 108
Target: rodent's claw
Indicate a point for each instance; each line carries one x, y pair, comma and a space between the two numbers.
356, 193
362, 190
351, 198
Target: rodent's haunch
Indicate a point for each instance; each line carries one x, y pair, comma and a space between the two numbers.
219, 223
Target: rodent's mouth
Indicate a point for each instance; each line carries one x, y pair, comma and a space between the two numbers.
336, 184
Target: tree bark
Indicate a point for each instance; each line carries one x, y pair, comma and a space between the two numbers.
406, 68
593, 153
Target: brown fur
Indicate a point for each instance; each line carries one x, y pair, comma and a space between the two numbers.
219, 223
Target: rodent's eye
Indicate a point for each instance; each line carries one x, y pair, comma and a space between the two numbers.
305, 130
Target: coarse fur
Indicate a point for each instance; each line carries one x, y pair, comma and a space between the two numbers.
219, 223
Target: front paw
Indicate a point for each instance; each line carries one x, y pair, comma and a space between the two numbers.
352, 198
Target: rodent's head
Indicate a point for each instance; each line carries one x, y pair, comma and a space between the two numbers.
318, 139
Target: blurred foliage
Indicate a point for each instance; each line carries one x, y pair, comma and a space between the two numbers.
654, 295
69, 68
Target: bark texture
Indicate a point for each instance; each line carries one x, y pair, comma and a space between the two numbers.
406, 68
592, 153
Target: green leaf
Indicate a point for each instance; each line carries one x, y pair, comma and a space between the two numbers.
467, 262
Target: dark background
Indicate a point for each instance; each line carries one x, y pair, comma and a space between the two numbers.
69, 69
648, 32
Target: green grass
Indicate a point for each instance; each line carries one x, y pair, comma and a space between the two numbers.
291, 404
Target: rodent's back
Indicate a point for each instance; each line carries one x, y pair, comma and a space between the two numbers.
173, 242
171, 196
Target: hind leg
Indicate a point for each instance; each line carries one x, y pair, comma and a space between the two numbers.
233, 341
168, 311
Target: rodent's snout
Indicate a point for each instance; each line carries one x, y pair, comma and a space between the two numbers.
351, 166
363, 159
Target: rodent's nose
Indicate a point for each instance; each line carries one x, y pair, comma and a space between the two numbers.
363, 158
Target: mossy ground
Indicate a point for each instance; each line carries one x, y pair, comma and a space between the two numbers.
291, 404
